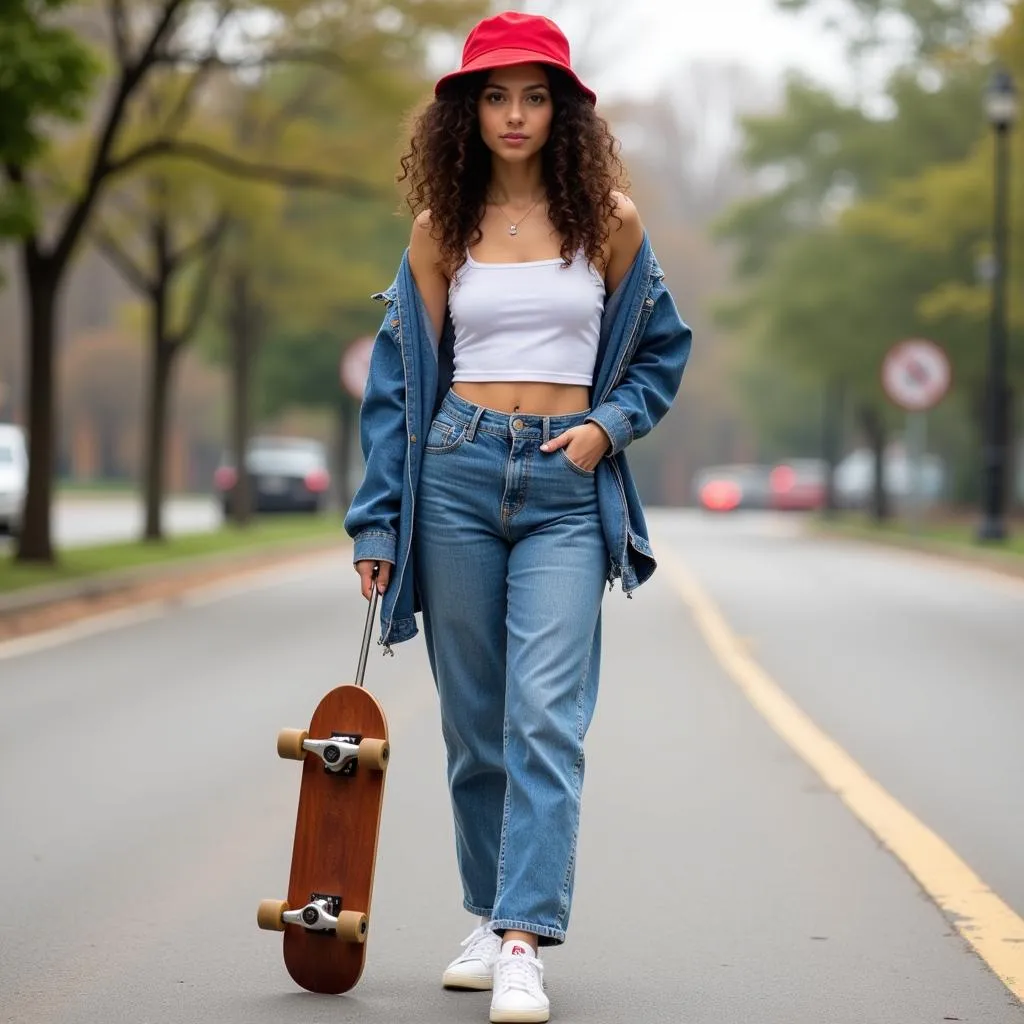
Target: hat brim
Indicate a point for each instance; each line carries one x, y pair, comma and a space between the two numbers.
508, 58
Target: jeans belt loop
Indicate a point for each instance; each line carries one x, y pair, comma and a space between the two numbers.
471, 431
547, 429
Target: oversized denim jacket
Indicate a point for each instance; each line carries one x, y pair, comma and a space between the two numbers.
643, 349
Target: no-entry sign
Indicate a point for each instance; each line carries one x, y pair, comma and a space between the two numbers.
916, 374
355, 366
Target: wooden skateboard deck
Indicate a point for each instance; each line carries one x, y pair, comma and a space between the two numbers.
335, 849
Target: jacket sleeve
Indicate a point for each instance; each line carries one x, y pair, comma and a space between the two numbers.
649, 385
373, 517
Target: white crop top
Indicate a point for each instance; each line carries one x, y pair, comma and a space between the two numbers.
537, 321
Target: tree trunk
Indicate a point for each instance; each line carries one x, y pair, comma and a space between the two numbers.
346, 421
832, 440
241, 324
874, 430
41, 285
161, 365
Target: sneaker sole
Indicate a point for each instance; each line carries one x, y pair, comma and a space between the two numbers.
520, 1016
467, 983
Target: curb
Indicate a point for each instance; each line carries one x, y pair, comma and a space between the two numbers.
998, 561
33, 598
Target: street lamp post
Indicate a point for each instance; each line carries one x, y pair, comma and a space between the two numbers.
1001, 109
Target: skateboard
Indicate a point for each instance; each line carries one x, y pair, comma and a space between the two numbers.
344, 754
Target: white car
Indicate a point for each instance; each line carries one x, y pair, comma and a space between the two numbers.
13, 477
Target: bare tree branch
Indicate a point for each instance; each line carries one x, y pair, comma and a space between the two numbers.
119, 27
120, 259
293, 177
180, 114
202, 245
313, 55
130, 78
204, 285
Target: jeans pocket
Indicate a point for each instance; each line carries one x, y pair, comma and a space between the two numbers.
444, 437
572, 465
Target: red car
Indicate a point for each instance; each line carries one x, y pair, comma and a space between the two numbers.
798, 485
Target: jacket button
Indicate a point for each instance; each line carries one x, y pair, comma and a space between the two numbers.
395, 323
412, 438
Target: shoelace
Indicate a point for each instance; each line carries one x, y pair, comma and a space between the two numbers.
474, 943
521, 972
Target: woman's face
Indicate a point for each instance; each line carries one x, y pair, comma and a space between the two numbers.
515, 111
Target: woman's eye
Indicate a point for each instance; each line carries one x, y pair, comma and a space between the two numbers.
536, 99
494, 97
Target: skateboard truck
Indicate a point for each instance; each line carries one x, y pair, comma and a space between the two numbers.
341, 754
323, 915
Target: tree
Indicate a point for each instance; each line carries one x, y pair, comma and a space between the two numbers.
172, 263
144, 37
47, 75
823, 294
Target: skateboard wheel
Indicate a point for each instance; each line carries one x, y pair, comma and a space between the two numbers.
268, 915
289, 743
374, 754
352, 926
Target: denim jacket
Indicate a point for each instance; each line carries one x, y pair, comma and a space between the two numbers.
642, 351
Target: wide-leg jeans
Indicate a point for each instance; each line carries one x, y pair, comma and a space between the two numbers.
511, 567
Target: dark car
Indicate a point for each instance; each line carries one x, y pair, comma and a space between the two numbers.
286, 474
727, 488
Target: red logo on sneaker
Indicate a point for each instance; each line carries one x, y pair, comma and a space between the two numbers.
518, 951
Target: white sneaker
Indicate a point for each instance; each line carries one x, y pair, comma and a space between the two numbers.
475, 968
518, 996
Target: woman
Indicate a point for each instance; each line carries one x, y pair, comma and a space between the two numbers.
528, 339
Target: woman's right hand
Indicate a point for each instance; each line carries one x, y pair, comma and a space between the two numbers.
365, 570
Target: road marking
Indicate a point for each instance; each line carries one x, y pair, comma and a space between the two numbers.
104, 622
977, 913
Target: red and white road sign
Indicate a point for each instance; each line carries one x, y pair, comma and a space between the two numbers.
355, 366
916, 374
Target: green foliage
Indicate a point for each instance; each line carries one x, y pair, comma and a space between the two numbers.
870, 221
45, 72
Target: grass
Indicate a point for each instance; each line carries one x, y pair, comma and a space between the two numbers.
110, 489
956, 532
85, 562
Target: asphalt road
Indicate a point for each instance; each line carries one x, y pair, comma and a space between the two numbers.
144, 812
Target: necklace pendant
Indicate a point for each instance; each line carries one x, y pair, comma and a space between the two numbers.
513, 229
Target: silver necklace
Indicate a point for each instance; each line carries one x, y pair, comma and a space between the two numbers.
513, 226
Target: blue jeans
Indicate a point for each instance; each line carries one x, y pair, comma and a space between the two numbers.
510, 567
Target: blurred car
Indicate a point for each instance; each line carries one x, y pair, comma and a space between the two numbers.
855, 477
732, 487
286, 474
13, 477
798, 485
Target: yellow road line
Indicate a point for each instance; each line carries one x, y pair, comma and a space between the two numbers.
977, 913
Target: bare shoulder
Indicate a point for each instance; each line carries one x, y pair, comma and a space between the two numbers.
424, 248
626, 227
423, 241
625, 236
426, 265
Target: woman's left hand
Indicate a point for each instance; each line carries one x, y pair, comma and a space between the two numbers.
584, 445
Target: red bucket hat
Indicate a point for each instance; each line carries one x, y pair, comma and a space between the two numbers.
514, 38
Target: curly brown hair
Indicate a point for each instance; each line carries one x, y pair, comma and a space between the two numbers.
448, 168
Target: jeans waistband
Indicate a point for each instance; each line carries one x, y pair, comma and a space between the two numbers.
507, 424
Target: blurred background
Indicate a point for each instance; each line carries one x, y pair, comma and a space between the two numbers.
197, 201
